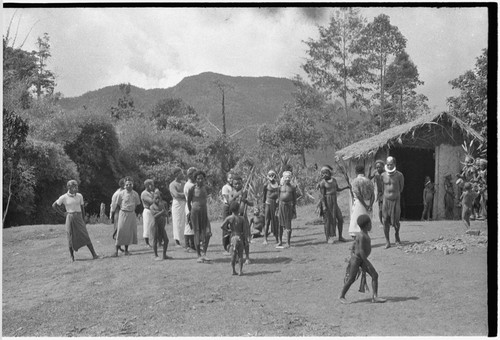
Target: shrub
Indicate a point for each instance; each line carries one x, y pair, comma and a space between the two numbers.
52, 169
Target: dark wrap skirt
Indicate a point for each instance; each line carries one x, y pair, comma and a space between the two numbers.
76, 231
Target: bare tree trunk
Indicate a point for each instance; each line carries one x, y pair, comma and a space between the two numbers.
8, 199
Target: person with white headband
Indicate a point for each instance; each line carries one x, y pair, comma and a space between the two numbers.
286, 209
391, 205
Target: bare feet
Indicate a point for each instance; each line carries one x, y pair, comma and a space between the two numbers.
157, 258
344, 301
265, 242
226, 253
200, 259
240, 274
387, 245
247, 261
378, 300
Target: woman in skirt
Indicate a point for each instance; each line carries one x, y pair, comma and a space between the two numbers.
75, 226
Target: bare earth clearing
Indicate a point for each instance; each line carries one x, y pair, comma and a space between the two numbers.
288, 292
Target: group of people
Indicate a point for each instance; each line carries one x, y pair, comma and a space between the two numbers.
389, 183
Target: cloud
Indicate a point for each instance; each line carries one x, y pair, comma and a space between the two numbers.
157, 47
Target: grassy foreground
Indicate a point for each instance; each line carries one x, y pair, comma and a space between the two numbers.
290, 292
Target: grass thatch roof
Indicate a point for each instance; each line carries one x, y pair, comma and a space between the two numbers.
403, 134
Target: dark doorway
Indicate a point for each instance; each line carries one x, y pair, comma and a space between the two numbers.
415, 164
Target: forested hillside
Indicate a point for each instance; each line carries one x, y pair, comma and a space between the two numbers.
249, 101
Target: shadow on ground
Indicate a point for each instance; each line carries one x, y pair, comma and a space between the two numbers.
389, 299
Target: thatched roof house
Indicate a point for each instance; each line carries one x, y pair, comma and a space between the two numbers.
427, 146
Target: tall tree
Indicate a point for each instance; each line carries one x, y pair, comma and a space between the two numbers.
402, 79
125, 107
44, 81
223, 88
15, 132
331, 64
378, 42
296, 130
471, 105
173, 113
96, 154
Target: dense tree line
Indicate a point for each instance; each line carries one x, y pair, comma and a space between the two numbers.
45, 146
361, 81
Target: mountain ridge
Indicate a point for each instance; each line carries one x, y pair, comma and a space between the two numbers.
248, 101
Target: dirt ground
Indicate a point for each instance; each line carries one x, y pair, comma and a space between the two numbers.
438, 287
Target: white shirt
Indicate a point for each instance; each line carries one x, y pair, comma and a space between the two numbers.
72, 203
229, 191
114, 200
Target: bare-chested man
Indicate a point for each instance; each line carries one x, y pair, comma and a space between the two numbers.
271, 194
286, 209
332, 214
391, 206
379, 184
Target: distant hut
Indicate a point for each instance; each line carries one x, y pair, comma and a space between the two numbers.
428, 146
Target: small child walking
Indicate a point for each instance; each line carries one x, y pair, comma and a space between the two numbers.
160, 235
360, 251
234, 224
428, 198
467, 199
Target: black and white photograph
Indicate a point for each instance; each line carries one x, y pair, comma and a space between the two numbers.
249, 169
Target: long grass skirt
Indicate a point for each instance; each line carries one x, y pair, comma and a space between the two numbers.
188, 230
270, 215
391, 209
330, 218
199, 220
286, 214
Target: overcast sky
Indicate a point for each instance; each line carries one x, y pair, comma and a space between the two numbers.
157, 47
